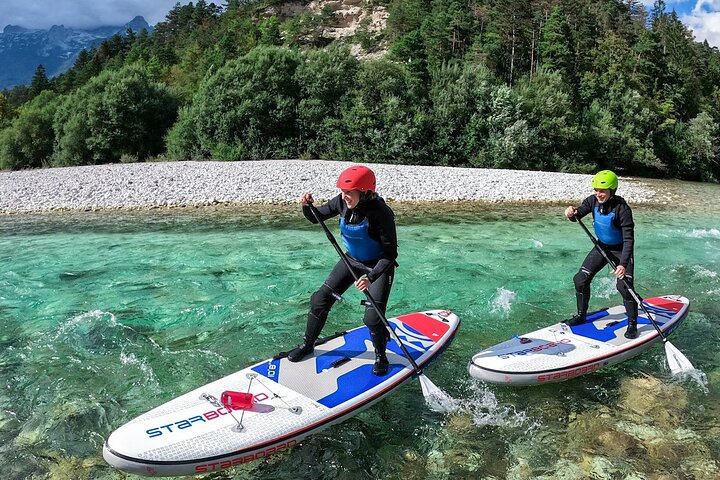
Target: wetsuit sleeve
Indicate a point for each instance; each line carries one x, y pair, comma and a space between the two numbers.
384, 222
624, 220
331, 209
585, 207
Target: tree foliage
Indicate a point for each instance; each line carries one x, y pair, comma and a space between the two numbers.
325, 79
117, 113
384, 121
28, 141
550, 84
246, 110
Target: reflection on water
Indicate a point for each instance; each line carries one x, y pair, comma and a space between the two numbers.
104, 316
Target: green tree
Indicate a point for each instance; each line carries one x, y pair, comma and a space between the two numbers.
512, 147
712, 105
325, 78
555, 46
585, 30
7, 112
649, 67
185, 75
695, 148
612, 69
681, 55
510, 43
406, 16
139, 48
246, 110
447, 32
510, 140
461, 99
546, 104
39, 81
409, 49
117, 113
28, 141
385, 121
270, 31
618, 135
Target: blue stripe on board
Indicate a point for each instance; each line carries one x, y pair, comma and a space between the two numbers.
269, 369
354, 346
359, 380
590, 330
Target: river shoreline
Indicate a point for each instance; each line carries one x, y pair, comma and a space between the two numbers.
278, 183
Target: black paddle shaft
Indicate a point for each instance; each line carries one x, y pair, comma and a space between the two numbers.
634, 294
330, 237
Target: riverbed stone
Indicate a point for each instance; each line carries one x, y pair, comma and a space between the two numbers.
203, 183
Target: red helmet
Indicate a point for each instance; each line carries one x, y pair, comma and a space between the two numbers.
359, 178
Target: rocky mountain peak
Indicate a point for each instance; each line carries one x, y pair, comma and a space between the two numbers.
10, 29
22, 49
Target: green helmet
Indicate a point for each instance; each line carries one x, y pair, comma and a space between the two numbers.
605, 179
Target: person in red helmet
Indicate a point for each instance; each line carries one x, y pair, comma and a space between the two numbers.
367, 230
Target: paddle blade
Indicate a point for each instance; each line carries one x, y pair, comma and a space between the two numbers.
436, 399
677, 362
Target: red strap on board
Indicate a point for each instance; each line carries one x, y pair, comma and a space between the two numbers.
237, 400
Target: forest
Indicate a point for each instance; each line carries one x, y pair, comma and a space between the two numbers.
554, 85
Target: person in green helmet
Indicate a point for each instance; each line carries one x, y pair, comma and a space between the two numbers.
615, 231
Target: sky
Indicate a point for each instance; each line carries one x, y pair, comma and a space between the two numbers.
44, 14
701, 16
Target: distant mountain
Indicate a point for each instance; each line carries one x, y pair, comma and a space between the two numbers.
22, 49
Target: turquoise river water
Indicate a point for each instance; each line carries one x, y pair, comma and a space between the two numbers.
105, 316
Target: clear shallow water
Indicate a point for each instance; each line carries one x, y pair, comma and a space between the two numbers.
104, 316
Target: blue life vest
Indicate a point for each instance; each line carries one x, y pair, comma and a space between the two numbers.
605, 230
358, 242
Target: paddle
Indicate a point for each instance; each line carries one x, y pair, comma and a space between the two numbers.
677, 362
435, 398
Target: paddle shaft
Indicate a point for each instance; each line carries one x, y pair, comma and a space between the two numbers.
634, 294
370, 298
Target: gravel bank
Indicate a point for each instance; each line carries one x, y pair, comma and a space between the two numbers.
181, 184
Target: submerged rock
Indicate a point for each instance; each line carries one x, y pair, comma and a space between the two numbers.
460, 423
79, 468
649, 399
617, 444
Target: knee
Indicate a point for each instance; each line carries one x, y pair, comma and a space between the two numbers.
322, 300
372, 318
376, 328
581, 281
622, 287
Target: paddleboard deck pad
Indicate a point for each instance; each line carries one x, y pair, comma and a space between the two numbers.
560, 352
196, 433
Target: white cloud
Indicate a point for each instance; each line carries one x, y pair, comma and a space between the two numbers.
704, 21
81, 13
711, 5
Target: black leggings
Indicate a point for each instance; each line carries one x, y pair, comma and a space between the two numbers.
593, 263
339, 280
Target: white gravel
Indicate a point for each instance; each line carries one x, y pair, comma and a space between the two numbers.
176, 184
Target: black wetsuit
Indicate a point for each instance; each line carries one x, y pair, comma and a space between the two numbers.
620, 253
380, 271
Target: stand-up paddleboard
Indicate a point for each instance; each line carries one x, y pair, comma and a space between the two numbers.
201, 432
560, 352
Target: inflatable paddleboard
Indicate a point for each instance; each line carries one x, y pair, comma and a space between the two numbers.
204, 431
560, 352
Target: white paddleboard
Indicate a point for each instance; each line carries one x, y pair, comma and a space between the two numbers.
560, 352
195, 433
